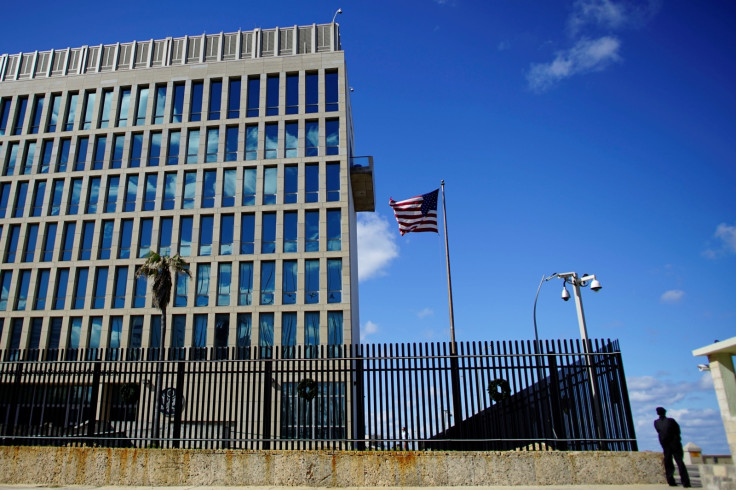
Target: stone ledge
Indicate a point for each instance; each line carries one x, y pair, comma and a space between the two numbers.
196, 467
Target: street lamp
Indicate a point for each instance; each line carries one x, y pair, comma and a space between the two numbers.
338, 11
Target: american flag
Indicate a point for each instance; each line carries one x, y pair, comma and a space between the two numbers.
417, 214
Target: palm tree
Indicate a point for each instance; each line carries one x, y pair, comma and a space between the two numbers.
161, 268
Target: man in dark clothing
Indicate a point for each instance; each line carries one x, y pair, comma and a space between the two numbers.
669, 438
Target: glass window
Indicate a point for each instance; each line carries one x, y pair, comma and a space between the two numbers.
195, 107
46, 151
149, 199
332, 137
104, 112
12, 247
222, 329
251, 142
185, 236
231, 144
215, 100
291, 139
131, 192
334, 228
311, 231
27, 167
154, 150
269, 185
182, 290
55, 107
209, 183
288, 334
4, 114
172, 157
192, 145
21, 296
5, 278
68, 241
118, 143
254, 89
36, 116
226, 234
75, 335
272, 140
247, 233
265, 334
116, 333
178, 334
62, 279
21, 190
54, 338
140, 111
333, 182
98, 300
63, 158
71, 109
331, 92
190, 190
311, 333
334, 328
144, 242
105, 250
288, 286
139, 291
311, 281
112, 194
121, 282
15, 335
158, 115
203, 285
89, 106
272, 95
126, 238
312, 92
268, 274
124, 107
165, 226
4, 196
48, 243
136, 150
245, 284
81, 159
213, 136
249, 186
199, 337
135, 341
20, 115
205, 235
35, 337
98, 160
292, 93
224, 277
233, 98
95, 332
228, 188
154, 341
38, 195
88, 233
29, 251
268, 233
42, 288
169, 197
80, 288
311, 184
290, 231
334, 280
93, 195
291, 184
177, 106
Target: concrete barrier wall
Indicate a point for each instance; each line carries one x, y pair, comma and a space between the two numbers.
167, 467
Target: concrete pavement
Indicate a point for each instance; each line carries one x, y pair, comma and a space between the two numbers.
535, 487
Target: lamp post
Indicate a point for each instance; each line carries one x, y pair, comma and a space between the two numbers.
577, 282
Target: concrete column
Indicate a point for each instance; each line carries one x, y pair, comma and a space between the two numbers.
724, 382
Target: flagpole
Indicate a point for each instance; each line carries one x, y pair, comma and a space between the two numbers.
454, 364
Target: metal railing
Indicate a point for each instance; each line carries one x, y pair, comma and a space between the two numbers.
513, 395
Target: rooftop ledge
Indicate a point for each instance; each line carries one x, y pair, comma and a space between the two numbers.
361, 180
204, 48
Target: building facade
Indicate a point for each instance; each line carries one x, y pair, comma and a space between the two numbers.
233, 150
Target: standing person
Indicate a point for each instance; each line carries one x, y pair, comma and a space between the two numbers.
669, 438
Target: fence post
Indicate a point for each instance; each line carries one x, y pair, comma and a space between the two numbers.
267, 387
554, 392
11, 414
96, 376
178, 407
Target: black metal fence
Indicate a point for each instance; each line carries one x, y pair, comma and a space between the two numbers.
507, 395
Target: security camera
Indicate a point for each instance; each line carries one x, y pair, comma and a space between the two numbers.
595, 285
565, 294
703, 367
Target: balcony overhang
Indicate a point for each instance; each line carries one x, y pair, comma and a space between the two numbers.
361, 180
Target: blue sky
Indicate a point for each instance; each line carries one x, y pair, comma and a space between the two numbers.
594, 136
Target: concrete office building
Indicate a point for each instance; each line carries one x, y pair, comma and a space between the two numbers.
234, 150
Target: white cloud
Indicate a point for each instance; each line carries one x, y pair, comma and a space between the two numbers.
504, 45
585, 57
425, 312
725, 235
376, 246
672, 296
604, 13
367, 329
